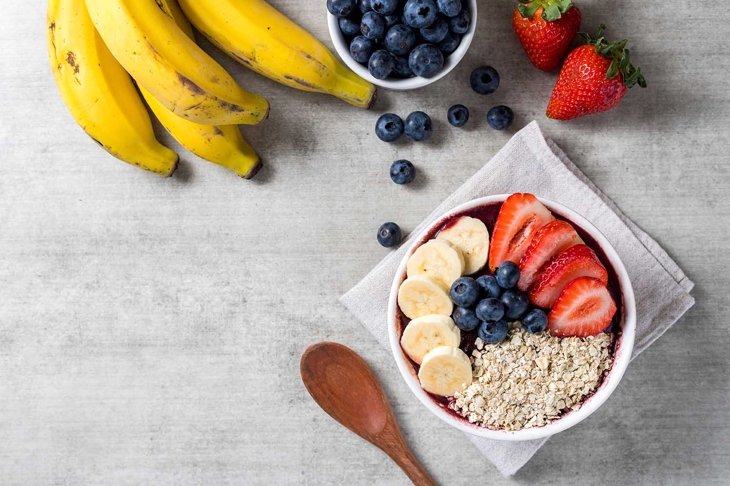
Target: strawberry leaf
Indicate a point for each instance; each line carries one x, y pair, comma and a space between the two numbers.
620, 58
552, 10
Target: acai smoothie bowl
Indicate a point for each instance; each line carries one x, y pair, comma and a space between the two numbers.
512, 317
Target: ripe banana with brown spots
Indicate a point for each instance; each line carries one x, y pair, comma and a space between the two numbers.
98, 92
166, 62
265, 40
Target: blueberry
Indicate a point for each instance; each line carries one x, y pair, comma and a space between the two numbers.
460, 24
418, 126
340, 8
464, 292
436, 32
401, 68
402, 172
500, 117
389, 127
465, 319
535, 321
420, 13
349, 27
515, 303
391, 20
373, 26
426, 60
490, 310
484, 80
364, 5
450, 8
490, 287
507, 275
361, 48
381, 64
493, 332
389, 235
458, 115
400, 39
449, 44
385, 7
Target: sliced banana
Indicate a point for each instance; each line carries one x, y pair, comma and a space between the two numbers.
419, 296
439, 261
471, 237
427, 332
445, 370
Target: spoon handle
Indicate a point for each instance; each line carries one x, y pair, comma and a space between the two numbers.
413, 469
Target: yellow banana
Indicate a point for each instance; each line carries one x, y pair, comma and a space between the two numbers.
222, 145
265, 40
98, 92
171, 66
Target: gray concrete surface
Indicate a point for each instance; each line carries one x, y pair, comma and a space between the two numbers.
150, 329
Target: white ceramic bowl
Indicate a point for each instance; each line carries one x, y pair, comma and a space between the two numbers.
622, 354
343, 50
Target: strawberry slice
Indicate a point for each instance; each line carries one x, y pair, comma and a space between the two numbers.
549, 241
519, 218
584, 308
576, 261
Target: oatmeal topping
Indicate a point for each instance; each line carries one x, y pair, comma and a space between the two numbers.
528, 380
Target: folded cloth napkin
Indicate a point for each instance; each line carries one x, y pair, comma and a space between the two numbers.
530, 163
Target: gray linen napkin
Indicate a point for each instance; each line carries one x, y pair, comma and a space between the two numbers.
530, 163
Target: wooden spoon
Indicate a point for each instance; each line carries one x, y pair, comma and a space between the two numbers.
342, 384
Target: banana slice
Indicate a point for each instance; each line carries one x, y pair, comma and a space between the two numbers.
427, 332
419, 296
445, 370
471, 237
439, 261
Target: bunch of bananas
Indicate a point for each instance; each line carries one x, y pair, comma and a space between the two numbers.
96, 45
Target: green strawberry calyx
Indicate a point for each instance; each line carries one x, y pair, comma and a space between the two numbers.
552, 10
619, 56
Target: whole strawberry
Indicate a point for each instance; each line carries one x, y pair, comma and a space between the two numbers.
594, 78
545, 29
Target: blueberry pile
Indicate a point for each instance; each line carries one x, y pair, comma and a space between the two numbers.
489, 303
402, 38
417, 127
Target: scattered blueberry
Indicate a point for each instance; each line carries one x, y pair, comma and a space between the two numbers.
535, 321
401, 68
361, 48
348, 27
420, 13
465, 319
340, 8
460, 24
500, 117
507, 275
364, 5
493, 332
418, 126
458, 115
389, 235
484, 80
384, 7
464, 292
381, 64
389, 127
400, 39
391, 20
450, 8
372, 26
402, 172
490, 310
436, 32
515, 304
490, 287
426, 60
449, 44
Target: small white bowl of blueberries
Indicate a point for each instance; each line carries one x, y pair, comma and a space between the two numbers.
402, 44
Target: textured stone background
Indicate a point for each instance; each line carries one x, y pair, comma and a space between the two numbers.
150, 329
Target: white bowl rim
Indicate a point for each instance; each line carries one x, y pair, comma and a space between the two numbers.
343, 51
622, 354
